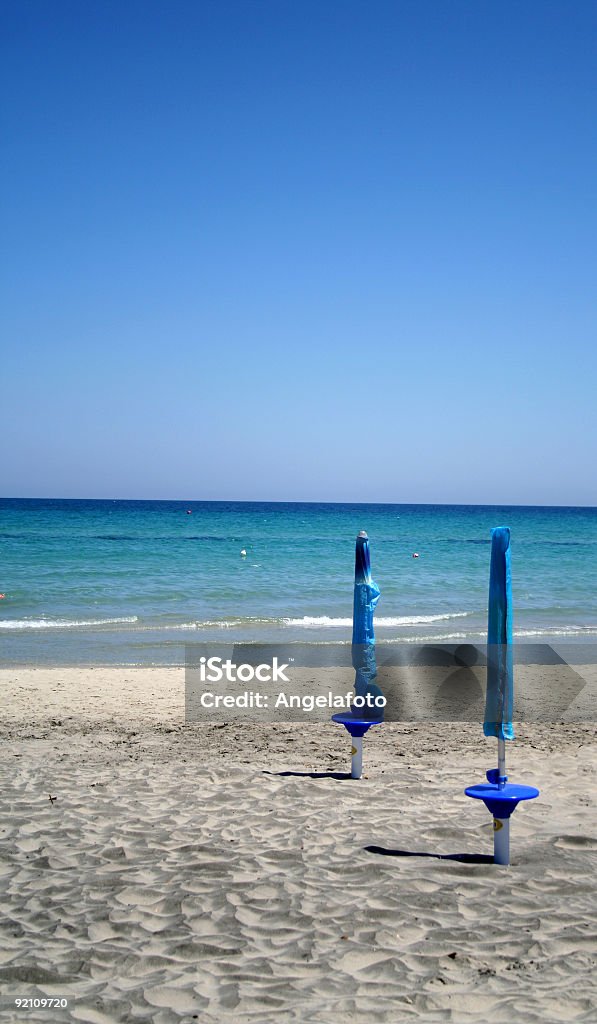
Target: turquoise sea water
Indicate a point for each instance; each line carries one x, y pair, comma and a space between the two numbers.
130, 582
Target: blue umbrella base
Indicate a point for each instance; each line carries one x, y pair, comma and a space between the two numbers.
356, 726
501, 802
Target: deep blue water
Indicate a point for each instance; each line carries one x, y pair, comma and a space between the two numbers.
130, 582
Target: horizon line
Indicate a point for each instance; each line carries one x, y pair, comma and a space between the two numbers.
284, 501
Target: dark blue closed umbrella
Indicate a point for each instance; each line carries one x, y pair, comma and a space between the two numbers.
500, 673
366, 596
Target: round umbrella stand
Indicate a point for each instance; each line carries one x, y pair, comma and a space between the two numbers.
357, 727
501, 803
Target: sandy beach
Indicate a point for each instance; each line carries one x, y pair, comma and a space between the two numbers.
299, 414
157, 871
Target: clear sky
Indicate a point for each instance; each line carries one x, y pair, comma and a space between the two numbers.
308, 250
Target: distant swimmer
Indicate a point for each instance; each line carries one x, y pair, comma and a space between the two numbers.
2, 596
243, 553
415, 554
189, 511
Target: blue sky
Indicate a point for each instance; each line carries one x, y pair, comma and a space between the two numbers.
313, 251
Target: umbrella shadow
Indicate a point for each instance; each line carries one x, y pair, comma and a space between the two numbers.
339, 776
463, 858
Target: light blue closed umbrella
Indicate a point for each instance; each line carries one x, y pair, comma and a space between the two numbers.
364, 712
500, 798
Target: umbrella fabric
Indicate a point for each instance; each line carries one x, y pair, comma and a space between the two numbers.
500, 676
366, 596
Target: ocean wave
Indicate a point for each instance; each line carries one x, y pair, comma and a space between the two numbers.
556, 631
306, 622
235, 623
317, 620
440, 638
62, 623
397, 620
213, 624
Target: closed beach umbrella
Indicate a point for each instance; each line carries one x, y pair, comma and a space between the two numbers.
500, 798
366, 596
364, 713
499, 698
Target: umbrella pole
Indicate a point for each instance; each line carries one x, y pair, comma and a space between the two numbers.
356, 768
502, 777
501, 826
501, 840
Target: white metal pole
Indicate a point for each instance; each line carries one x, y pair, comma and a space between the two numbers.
357, 757
501, 761
501, 826
501, 840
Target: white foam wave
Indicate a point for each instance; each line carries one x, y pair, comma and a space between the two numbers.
306, 621
397, 620
317, 620
428, 639
554, 631
230, 623
61, 623
207, 624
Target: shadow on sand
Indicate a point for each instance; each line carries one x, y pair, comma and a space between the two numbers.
463, 858
340, 776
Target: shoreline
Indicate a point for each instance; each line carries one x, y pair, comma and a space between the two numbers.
538, 650
433, 692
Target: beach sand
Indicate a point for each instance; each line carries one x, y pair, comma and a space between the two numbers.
157, 871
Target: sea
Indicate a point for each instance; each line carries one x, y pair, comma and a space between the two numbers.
132, 582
